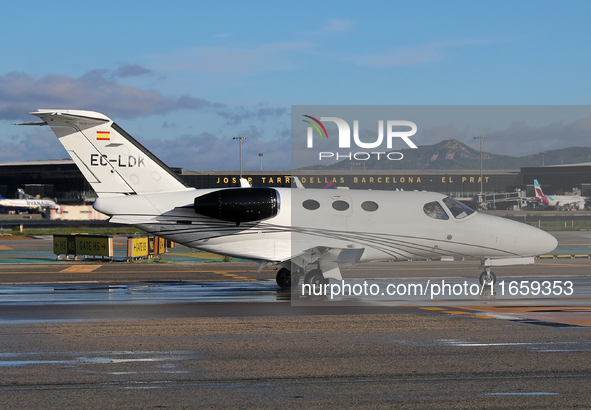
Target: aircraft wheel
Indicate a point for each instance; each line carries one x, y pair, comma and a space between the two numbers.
488, 278
314, 277
284, 278
295, 279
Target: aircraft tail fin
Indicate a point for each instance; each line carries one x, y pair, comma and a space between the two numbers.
110, 159
539, 192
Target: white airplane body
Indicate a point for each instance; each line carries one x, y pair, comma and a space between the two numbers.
291, 228
27, 204
562, 201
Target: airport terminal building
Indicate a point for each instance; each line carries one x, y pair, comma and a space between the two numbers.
61, 179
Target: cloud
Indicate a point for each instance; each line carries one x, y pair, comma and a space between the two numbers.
131, 70
338, 25
234, 117
207, 151
201, 151
95, 90
38, 145
98, 90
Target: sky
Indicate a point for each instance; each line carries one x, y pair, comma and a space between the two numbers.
186, 77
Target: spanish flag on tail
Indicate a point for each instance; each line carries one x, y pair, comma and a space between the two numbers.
103, 135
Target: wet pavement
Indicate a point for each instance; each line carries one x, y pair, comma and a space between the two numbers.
187, 333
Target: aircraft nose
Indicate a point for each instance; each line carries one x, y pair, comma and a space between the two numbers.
545, 242
517, 238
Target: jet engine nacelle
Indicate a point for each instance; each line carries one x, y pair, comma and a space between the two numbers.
239, 204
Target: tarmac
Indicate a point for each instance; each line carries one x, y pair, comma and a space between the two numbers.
193, 331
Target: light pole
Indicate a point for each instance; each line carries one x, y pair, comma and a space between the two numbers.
261, 155
480, 138
240, 144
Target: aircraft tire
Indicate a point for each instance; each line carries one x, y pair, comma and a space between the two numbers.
314, 277
488, 278
295, 279
284, 278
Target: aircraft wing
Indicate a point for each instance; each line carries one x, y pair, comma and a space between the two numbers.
328, 259
133, 219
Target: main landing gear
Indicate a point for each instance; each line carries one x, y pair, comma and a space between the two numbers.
285, 279
315, 278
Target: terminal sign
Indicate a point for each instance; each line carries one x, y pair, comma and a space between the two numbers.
94, 245
91, 245
64, 245
137, 247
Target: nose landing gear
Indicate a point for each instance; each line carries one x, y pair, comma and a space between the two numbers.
487, 277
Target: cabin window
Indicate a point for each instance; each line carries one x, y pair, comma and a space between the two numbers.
311, 204
435, 211
457, 209
340, 205
369, 206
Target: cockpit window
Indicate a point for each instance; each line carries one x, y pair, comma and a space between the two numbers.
434, 210
458, 209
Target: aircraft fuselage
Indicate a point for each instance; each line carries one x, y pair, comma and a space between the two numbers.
391, 225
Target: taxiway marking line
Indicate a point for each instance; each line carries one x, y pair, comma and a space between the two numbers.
568, 315
232, 275
80, 269
457, 312
528, 309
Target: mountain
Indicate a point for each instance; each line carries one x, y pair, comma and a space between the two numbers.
452, 154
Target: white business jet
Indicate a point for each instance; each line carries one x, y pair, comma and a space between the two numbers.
305, 233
